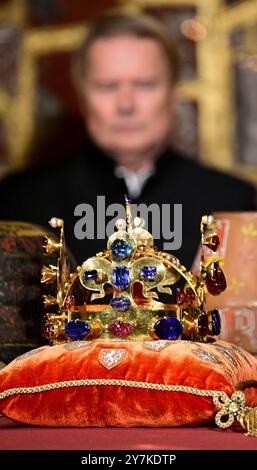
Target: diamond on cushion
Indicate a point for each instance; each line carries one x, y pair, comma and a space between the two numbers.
110, 358
157, 345
77, 345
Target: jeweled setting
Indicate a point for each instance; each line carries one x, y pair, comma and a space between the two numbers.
168, 328
120, 277
120, 303
76, 330
120, 328
121, 249
124, 288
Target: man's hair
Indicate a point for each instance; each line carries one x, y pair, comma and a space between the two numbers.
124, 24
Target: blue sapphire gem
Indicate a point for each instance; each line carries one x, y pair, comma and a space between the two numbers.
148, 273
120, 277
128, 199
168, 328
216, 322
121, 249
90, 275
120, 303
76, 330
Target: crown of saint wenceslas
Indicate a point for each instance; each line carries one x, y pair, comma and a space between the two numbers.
129, 274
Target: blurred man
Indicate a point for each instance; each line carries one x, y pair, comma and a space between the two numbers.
125, 74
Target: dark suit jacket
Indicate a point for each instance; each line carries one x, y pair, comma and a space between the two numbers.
56, 189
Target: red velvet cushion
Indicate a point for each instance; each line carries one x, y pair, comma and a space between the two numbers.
111, 383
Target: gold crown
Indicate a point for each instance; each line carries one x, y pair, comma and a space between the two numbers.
132, 271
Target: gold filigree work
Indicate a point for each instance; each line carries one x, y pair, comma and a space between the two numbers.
135, 273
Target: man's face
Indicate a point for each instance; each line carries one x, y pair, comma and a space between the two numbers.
128, 96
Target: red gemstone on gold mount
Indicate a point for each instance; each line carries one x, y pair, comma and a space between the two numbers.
203, 324
190, 295
215, 279
70, 302
120, 328
185, 298
49, 330
181, 297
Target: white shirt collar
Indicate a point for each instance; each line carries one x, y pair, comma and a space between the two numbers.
134, 181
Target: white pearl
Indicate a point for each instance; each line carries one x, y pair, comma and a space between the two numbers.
120, 224
139, 222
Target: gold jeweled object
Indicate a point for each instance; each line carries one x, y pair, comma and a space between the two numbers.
134, 273
248, 420
235, 407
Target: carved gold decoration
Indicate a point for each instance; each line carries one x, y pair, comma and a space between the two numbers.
135, 273
248, 421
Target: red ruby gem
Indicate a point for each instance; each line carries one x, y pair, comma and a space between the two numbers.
70, 301
120, 328
212, 242
190, 295
48, 330
215, 279
181, 297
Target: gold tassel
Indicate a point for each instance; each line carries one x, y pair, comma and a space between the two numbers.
248, 421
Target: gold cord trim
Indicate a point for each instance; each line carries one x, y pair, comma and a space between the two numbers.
112, 382
230, 408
